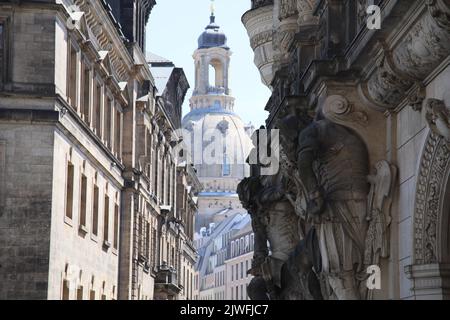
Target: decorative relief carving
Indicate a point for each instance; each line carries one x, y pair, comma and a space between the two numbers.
434, 169
361, 12
440, 12
386, 87
288, 8
425, 46
305, 12
417, 97
422, 49
437, 115
379, 215
261, 3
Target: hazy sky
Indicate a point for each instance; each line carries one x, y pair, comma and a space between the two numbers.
173, 30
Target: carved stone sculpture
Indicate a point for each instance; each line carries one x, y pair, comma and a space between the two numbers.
333, 165
437, 115
287, 273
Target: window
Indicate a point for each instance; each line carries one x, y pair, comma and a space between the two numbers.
237, 292
72, 77
97, 107
237, 271
2, 51
92, 295
246, 268
141, 235
173, 257
95, 211
83, 201
156, 172
118, 134
154, 247
232, 273
65, 291
116, 227
242, 292
106, 220
69, 191
232, 248
80, 293
107, 122
147, 241
232, 293
226, 168
86, 93
242, 270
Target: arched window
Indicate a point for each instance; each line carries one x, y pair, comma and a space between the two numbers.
216, 74
212, 76
226, 168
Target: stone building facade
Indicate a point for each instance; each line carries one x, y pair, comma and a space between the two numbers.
88, 185
238, 263
385, 94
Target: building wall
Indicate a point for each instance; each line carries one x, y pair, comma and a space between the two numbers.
49, 249
237, 278
76, 255
26, 150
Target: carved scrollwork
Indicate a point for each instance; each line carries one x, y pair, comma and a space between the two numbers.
338, 109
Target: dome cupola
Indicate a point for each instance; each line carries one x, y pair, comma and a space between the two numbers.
212, 37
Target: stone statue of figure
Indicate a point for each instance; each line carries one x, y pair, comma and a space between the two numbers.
273, 221
287, 272
333, 165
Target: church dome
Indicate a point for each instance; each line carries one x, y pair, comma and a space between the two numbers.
204, 125
212, 37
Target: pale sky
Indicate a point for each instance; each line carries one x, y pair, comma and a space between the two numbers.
173, 30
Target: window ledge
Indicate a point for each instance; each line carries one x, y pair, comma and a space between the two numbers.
68, 221
106, 245
83, 230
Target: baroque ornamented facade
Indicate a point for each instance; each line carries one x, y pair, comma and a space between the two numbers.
364, 121
93, 204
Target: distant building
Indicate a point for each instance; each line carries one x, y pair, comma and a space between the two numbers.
213, 250
212, 114
238, 262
